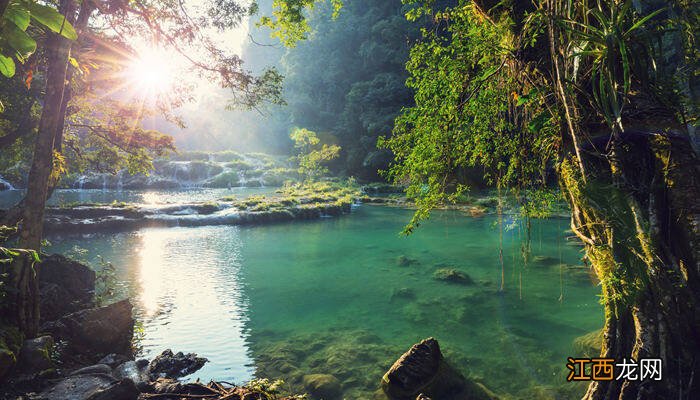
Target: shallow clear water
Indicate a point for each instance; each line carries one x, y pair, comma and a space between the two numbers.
320, 297
71, 196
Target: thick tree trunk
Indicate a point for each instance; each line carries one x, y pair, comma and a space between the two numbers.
58, 51
640, 219
20, 307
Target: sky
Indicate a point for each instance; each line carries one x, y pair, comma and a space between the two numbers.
205, 115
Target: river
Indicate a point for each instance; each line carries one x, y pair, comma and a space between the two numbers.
347, 295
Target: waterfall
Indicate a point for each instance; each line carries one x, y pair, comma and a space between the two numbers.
5, 184
104, 181
242, 181
80, 182
120, 181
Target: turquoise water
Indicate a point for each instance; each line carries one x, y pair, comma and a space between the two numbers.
348, 295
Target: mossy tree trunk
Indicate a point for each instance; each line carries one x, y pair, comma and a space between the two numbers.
639, 215
20, 297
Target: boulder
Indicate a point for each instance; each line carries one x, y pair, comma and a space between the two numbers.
169, 365
422, 371
97, 331
452, 275
35, 355
65, 286
91, 387
93, 369
323, 386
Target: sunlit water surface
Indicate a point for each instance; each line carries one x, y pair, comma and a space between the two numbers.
321, 297
63, 197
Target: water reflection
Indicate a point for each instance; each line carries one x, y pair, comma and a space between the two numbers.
190, 298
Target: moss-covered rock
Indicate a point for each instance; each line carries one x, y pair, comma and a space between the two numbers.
589, 345
323, 386
452, 275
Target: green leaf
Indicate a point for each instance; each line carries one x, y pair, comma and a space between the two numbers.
625, 67
53, 20
7, 66
18, 15
643, 21
18, 39
2, 107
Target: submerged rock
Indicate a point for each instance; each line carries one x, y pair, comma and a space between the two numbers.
65, 286
91, 387
97, 331
323, 386
453, 276
403, 261
589, 345
169, 365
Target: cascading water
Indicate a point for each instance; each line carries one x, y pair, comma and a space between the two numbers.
80, 182
5, 185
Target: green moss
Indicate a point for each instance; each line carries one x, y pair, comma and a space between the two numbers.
453, 276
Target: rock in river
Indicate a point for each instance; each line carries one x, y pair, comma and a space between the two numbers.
169, 365
423, 371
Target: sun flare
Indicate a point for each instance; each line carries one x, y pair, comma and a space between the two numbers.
150, 73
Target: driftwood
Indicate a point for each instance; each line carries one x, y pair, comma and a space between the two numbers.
213, 390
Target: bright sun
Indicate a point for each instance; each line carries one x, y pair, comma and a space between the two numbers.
150, 73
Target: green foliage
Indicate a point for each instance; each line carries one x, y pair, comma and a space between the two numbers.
608, 39
312, 153
464, 96
288, 22
15, 42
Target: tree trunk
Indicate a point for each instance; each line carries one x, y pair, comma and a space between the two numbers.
20, 307
639, 216
58, 51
